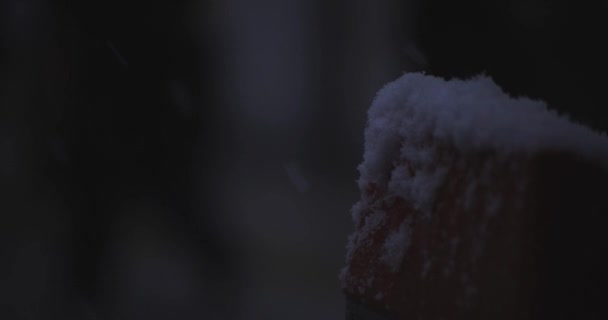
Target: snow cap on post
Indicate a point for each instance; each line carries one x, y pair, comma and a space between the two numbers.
450, 184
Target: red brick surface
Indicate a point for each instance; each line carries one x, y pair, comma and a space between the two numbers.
529, 245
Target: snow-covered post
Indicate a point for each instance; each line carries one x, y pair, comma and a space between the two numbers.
476, 205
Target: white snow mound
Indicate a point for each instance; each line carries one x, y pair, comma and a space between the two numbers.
469, 115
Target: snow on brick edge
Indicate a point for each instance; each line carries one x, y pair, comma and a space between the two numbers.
472, 114
371, 223
395, 246
469, 115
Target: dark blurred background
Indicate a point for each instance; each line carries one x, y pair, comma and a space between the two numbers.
184, 159
197, 159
